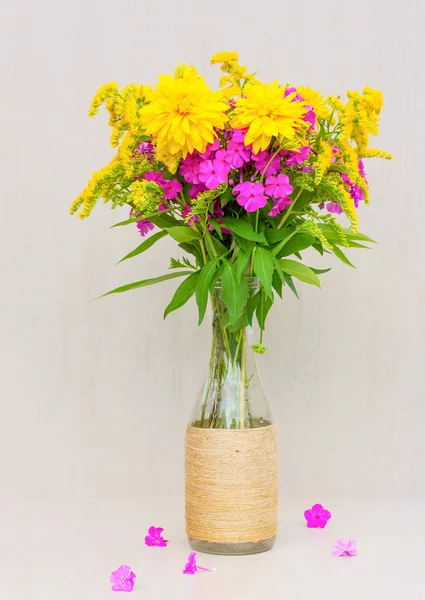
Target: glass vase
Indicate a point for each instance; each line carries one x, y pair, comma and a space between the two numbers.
231, 447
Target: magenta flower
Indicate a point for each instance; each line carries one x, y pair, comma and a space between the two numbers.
356, 192
144, 226
362, 169
211, 148
238, 135
186, 211
213, 172
154, 537
195, 190
189, 169
279, 186
345, 547
251, 196
317, 516
292, 90
262, 158
298, 157
155, 176
279, 206
310, 117
333, 207
172, 188
225, 156
122, 579
145, 148
191, 567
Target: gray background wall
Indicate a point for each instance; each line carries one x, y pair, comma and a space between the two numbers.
95, 397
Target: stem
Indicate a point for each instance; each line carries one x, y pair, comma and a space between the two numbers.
204, 254
243, 377
289, 209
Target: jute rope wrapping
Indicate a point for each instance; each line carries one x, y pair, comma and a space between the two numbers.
231, 484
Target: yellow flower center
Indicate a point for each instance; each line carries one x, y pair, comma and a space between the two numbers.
184, 106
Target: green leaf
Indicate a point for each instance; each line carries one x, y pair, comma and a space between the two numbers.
277, 235
300, 271
234, 291
320, 271
216, 276
244, 244
318, 247
251, 306
203, 286
243, 229
214, 246
263, 308
277, 283
183, 293
290, 284
126, 222
163, 221
192, 248
217, 228
299, 242
340, 254
277, 266
243, 259
183, 233
226, 197
241, 323
145, 282
263, 267
150, 241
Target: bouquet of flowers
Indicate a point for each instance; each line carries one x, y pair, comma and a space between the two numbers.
241, 178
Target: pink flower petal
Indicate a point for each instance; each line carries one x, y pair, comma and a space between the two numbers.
122, 579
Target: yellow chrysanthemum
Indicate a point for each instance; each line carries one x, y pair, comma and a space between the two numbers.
316, 100
267, 113
182, 113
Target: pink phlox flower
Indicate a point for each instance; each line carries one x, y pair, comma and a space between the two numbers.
279, 206
345, 547
238, 136
144, 226
213, 173
292, 90
154, 537
189, 169
317, 516
262, 158
310, 117
211, 148
145, 148
298, 157
186, 211
172, 188
217, 208
226, 156
279, 186
356, 192
163, 206
333, 207
191, 567
362, 169
251, 196
155, 176
196, 190
122, 579
307, 168
241, 154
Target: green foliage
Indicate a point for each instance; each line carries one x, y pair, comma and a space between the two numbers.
203, 287
183, 233
150, 241
145, 282
183, 293
244, 230
299, 271
263, 267
234, 291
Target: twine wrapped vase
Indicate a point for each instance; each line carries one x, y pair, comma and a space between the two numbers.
231, 449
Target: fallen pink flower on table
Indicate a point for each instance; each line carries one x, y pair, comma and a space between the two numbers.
122, 579
191, 567
317, 516
154, 537
345, 547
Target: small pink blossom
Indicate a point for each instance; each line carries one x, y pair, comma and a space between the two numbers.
333, 207
317, 516
299, 156
213, 173
155, 176
122, 579
279, 186
191, 567
279, 206
145, 148
189, 169
238, 135
172, 188
251, 196
345, 547
262, 158
154, 537
186, 212
195, 190
144, 226
211, 148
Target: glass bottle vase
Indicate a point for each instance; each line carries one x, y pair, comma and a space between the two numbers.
231, 447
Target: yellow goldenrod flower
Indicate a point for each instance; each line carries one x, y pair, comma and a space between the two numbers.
375, 153
224, 57
266, 113
109, 90
323, 161
182, 113
316, 100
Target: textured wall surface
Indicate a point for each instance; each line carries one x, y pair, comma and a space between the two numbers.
95, 397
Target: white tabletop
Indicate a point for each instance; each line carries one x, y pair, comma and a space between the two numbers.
65, 549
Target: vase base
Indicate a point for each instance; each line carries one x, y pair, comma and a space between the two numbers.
231, 549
